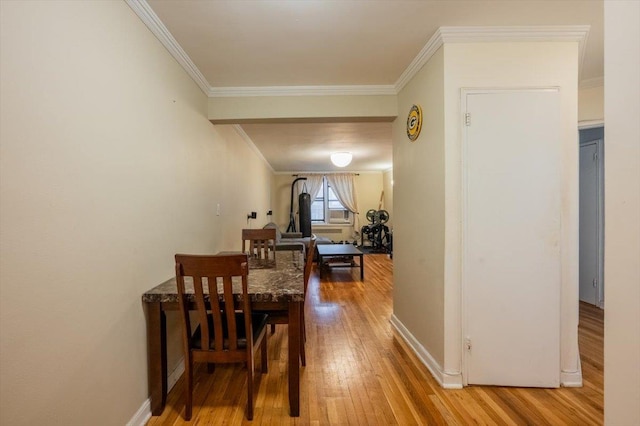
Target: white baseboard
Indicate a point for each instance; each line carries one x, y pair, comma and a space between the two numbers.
175, 374
143, 414
446, 380
572, 379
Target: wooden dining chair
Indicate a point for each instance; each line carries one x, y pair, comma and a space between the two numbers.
282, 317
262, 243
308, 267
227, 331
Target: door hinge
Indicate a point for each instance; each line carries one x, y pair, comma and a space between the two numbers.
595, 282
467, 343
467, 119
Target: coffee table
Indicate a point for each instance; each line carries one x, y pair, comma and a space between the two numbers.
335, 251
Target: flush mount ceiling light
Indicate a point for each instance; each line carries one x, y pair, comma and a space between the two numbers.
341, 159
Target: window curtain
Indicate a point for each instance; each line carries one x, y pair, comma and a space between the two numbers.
313, 183
344, 188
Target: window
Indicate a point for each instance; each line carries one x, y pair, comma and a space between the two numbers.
326, 208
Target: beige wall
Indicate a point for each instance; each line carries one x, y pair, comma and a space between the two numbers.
368, 186
418, 201
109, 167
502, 65
322, 107
622, 214
280, 196
591, 104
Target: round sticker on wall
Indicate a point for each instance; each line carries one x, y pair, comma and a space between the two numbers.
414, 122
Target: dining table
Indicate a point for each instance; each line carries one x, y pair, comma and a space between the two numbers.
273, 285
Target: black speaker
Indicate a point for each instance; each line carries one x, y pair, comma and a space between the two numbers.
304, 207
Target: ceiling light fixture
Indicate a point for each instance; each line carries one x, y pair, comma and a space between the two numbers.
341, 159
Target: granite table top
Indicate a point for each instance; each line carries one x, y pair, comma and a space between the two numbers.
268, 281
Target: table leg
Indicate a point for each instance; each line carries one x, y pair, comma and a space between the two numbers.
320, 265
157, 357
294, 357
361, 268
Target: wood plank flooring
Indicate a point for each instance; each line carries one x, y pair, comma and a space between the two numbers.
360, 373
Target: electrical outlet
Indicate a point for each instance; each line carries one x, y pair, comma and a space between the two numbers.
218, 209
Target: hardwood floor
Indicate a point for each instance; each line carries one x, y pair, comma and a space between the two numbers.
359, 372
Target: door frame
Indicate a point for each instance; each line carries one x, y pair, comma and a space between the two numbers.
464, 92
600, 212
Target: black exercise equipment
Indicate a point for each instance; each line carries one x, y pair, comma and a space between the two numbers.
377, 232
292, 217
304, 210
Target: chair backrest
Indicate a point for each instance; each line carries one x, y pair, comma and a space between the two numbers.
262, 243
308, 265
214, 268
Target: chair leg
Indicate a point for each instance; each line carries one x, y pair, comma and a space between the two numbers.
250, 367
273, 328
303, 330
303, 337
263, 351
188, 367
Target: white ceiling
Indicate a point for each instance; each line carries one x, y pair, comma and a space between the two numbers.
259, 43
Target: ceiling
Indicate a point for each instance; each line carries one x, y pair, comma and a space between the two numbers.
251, 44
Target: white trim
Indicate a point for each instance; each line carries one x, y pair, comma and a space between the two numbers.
421, 58
442, 35
141, 416
240, 131
572, 379
590, 124
446, 380
155, 25
175, 375
514, 33
591, 83
364, 90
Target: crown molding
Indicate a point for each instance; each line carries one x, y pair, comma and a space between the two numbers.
240, 131
155, 25
421, 58
590, 124
577, 33
362, 90
591, 83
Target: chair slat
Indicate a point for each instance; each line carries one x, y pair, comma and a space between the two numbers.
227, 283
218, 333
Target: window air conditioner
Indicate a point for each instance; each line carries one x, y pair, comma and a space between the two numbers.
339, 216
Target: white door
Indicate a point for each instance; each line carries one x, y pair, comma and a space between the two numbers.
511, 234
589, 230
